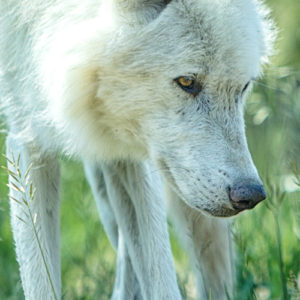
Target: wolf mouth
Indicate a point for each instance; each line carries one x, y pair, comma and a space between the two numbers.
222, 211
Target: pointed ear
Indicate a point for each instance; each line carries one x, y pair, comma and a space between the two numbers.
140, 11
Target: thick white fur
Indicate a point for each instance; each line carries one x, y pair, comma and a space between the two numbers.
95, 80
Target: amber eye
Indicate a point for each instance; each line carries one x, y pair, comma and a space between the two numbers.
185, 81
188, 84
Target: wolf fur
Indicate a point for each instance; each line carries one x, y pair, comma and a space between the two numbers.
95, 81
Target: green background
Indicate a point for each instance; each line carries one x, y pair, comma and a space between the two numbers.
267, 238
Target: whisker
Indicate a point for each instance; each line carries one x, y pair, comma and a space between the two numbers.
269, 86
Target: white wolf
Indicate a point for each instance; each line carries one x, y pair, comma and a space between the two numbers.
134, 88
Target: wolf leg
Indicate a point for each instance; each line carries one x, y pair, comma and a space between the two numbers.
35, 222
126, 284
95, 178
208, 243
142, 224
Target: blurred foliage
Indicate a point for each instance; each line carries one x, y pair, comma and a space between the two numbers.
267, 238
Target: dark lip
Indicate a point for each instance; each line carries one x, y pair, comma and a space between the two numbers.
241, 207
224, 212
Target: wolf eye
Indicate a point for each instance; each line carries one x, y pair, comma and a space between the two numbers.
188, 84
185, 81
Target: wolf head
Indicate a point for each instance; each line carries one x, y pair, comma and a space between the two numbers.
171, 85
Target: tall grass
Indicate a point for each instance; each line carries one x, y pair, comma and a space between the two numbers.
22, 184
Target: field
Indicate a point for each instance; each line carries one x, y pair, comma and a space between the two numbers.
267, 239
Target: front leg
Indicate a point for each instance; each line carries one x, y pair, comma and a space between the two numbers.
126, 285
35, 221
208, 243
141, 219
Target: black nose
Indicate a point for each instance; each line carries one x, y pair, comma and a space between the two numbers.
246, 196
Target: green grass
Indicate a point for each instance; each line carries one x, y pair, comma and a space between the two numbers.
267, 238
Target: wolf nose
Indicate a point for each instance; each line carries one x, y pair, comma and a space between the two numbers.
246, 196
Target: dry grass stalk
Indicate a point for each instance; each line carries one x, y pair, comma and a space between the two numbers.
24, 186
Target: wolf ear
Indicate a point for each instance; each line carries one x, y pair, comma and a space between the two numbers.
140, 11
